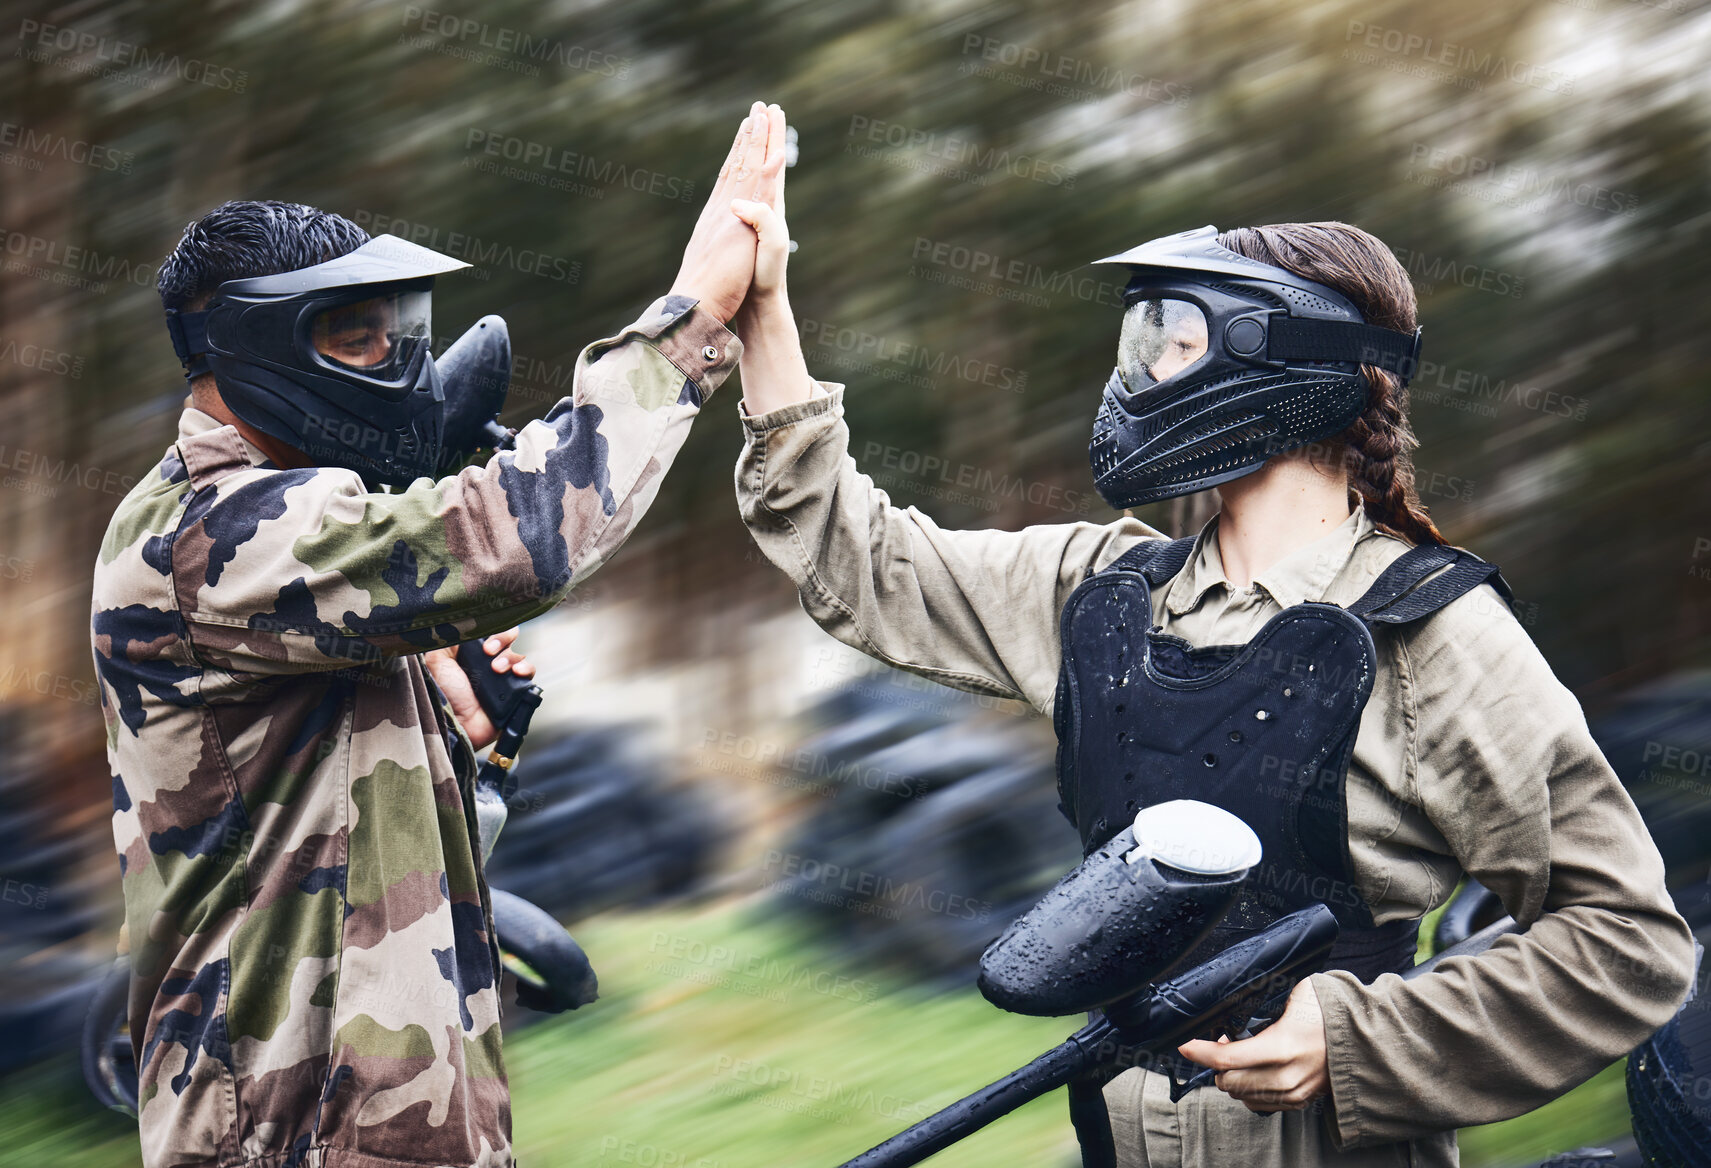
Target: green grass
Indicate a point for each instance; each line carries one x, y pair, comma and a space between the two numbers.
1594, 1113
750, 1052
722, 1039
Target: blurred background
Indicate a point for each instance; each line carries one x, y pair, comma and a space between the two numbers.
782, 861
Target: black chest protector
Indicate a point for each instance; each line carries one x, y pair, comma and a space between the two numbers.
1264, 730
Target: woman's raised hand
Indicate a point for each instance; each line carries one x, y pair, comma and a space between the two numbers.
764, 211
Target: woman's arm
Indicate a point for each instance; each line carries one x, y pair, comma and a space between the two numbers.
1511, 777
977, 610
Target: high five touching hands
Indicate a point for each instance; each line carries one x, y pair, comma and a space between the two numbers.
719, 262
773, 370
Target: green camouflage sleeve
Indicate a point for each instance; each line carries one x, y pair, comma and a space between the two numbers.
283, 571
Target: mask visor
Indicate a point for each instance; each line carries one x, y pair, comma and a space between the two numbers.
1161, 337
376, 337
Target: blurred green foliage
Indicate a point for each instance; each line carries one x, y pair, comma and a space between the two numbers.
1563, 419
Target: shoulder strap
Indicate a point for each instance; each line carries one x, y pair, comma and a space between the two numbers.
1156, 559
1402, 592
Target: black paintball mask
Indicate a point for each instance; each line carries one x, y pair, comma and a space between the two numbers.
1224, 361
334, 361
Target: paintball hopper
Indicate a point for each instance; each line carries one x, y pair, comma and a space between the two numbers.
477, 373
1128, 914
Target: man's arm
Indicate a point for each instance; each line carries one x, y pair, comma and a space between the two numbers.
307, 569
279, 571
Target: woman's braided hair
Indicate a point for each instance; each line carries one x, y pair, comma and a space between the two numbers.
1377, 450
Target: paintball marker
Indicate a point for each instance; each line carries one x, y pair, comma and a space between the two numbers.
510, 702
1099, 941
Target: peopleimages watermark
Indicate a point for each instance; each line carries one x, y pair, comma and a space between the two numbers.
977, 270
555, 167
894, 360
858, 890
1428, 272
58, 472
856, 672
1470, 391
1508, 185
622, 1151
16, 678
28, 146
982, 485
756, 975
481, 43
948, 156
845, 1097
814, 769
42, 358
1458, 64
474, 249
24, 893
1059, 75
68, 264
1695, 569
125, 61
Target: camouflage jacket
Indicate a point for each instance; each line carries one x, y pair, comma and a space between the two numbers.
315, 983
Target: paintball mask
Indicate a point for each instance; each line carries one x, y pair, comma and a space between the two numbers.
1224, 361
334, 360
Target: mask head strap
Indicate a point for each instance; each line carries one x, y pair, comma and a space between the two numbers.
1294, 339
189, 333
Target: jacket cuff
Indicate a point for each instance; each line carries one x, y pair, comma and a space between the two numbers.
692, 339
827, 399
1343, 1114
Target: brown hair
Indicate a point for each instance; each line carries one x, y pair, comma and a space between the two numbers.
1377, 451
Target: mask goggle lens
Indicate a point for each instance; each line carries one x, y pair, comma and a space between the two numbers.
376, 337
1160, 337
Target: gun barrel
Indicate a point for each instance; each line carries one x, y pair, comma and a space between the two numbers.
1229, 987
1073, 1057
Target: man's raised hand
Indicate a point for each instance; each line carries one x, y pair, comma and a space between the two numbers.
719, 262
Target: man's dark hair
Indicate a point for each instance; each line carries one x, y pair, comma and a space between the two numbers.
251, 237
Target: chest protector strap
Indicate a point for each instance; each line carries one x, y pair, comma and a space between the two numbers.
1264, 729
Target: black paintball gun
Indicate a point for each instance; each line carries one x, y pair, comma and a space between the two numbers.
1100, 942
510, 703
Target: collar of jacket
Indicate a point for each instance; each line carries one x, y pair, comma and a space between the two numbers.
212, 450
1304, 574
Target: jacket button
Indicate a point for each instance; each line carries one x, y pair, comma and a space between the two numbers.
710, 353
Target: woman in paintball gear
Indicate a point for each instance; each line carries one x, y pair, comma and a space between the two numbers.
1317, 660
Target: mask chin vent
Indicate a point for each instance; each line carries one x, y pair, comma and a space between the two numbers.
1208, 398
1204, 445
1315, 406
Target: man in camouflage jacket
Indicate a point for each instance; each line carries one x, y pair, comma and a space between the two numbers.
315, 978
